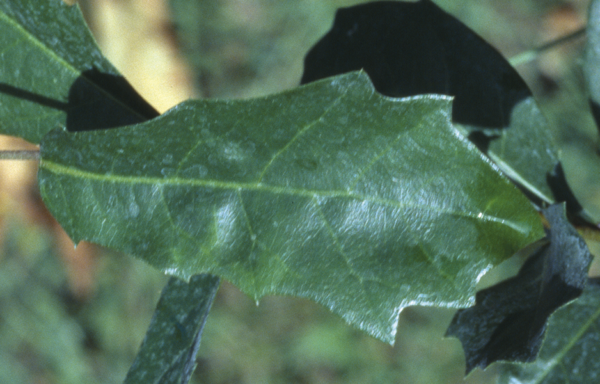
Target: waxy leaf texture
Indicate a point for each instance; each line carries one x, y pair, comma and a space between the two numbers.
330, 191
52, 74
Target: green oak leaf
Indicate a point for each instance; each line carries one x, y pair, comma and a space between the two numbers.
168, 352
331, 191
569, 353
525, 150
52, 74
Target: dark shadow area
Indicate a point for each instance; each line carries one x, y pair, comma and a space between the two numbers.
561, 190
513, 341
481, 140
96, 100
512, 329
416, 48
596, 113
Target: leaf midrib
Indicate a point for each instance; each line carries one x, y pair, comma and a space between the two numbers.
59, 169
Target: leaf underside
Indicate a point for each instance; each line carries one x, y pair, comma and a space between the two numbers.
168, 352
331, 192
509, 320
52, 74
569, 353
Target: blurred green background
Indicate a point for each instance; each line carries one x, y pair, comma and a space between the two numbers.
79, 316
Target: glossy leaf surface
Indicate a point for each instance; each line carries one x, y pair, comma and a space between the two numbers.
52, 74
416, 48
331, 192
509, 320
168, 353
570, 351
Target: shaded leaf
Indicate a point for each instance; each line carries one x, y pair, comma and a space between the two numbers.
52, 74
580, 217
591, 63
509, 320
416, 48
331, 192
570, 351
168, 352
591, 71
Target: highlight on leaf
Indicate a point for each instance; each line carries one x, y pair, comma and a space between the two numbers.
331, 192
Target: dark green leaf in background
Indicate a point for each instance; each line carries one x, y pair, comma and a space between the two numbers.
591, 63
52, 74
591, 71
331, 192
168, 353
509, 320
416, 48
571, 351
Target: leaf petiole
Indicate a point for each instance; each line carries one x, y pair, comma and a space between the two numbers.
532, 54
20, 155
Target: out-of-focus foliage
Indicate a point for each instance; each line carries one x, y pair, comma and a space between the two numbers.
49, 335
249, 48
290, 340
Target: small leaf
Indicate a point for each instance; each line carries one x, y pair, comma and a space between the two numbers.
331, 192
168, 352
416, 48
509, 320
52, 74
569, 353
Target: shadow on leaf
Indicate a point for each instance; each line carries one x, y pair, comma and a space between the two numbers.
96, 100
